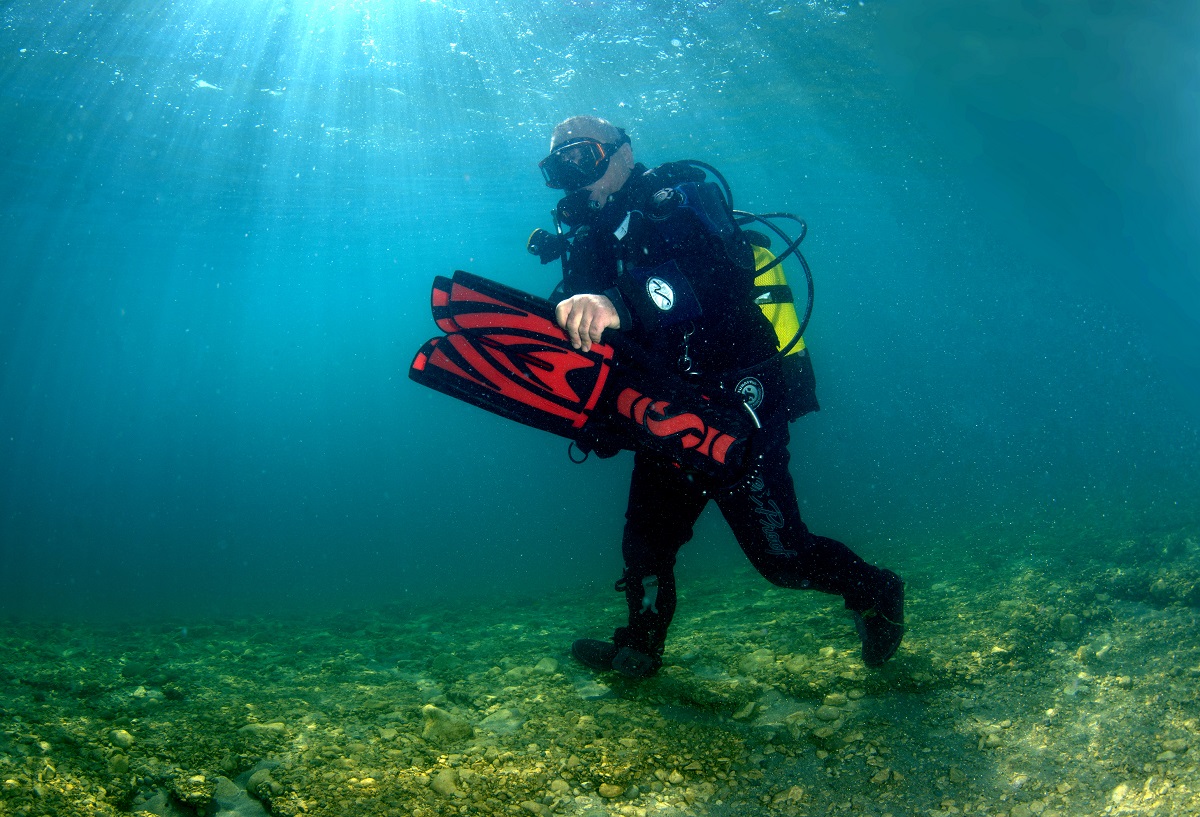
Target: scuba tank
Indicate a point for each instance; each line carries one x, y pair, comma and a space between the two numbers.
775, 298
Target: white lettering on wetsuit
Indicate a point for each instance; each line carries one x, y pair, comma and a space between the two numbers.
770, 520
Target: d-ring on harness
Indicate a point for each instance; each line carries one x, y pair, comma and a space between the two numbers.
685, 358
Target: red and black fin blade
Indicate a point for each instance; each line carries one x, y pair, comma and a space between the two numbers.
516, 377
472, 303
504, 353
440, 303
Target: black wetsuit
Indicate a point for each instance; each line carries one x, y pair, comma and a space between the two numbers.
614, 252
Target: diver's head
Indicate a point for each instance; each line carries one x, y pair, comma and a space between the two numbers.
588, 153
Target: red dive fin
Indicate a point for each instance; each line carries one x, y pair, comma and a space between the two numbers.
504, 353
470, 303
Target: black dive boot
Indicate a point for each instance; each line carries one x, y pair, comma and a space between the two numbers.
594, 653
605, 656
881, 627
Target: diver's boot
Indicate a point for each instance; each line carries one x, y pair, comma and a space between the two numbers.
881, 627
594, 653
604, 656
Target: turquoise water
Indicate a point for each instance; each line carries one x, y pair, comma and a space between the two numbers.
220, 222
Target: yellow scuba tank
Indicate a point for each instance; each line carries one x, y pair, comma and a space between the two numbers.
780, 311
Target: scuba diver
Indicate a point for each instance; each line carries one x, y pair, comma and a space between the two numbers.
659, 259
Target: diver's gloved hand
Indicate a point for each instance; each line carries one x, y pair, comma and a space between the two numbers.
585, 317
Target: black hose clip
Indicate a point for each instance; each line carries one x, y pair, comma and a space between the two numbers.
546, 245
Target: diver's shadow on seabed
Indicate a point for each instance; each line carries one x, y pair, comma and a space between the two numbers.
842, 734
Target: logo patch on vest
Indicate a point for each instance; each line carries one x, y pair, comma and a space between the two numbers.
660, 292
752, 391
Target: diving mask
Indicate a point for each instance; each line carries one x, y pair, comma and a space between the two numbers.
577, 163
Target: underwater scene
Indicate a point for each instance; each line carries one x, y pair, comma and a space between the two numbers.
249, 567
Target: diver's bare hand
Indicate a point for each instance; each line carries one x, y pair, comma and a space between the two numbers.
585, 317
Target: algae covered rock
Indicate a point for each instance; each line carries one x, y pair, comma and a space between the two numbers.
442, 727
276, 729
503, 722
610, 790
1070, 627
260, 784
120, 738
231, 800
445, 783
756, 662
